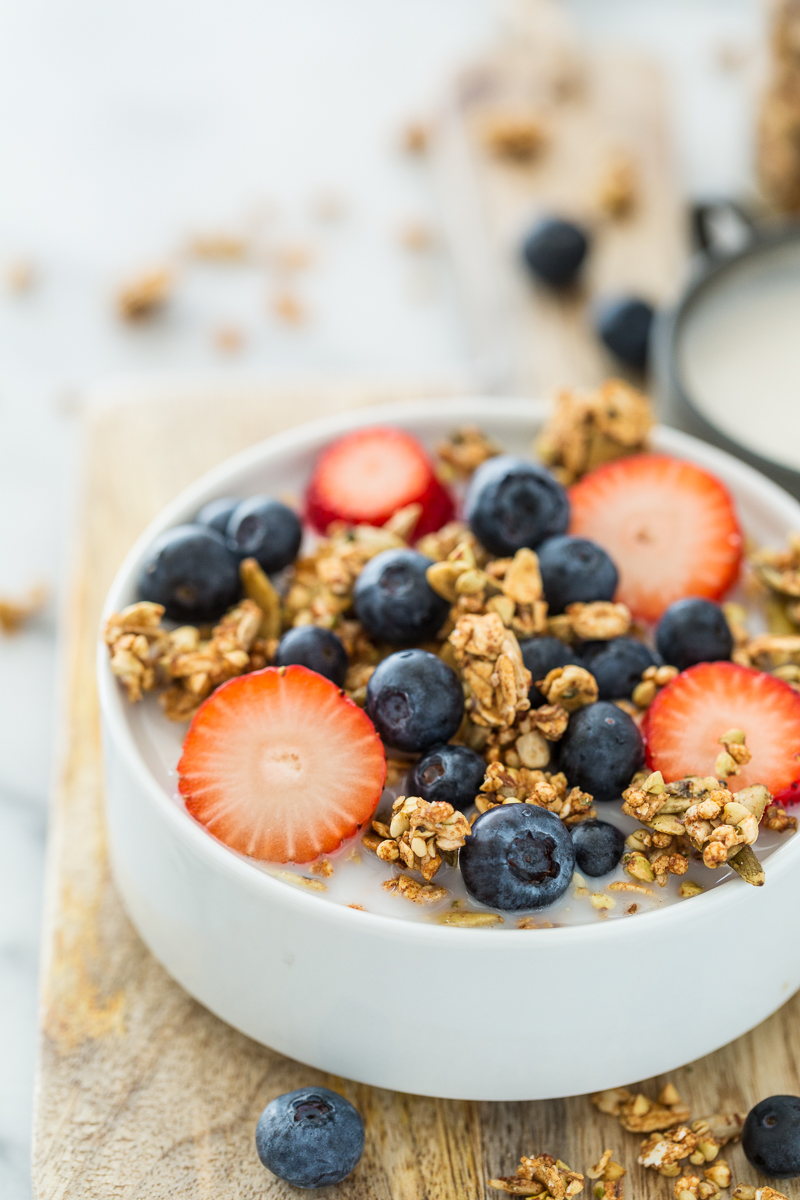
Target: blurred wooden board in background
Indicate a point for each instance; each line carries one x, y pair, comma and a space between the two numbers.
593, 110
144, 1095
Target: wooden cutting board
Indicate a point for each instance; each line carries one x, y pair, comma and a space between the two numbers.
141, 1092
593, 108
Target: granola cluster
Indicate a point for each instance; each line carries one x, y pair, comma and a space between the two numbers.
496, 681
698, 815
590, 428
510, 785
518, 135
509, 587
543, 1176
421, 835
146, 656
463, 452
609, 1176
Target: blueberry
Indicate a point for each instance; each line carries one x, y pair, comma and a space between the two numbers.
693, 631
623, 324
265, 529
414, 700
771, 1137
511, 503
315, 648
598, 847
452, 774
554, 251
601, 751
217, 513
542, 655
394, 601
575, 570
617, 665
310, 1138
191, 571
518, 856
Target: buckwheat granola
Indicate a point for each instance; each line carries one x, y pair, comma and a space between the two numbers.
653, 680
509, 785
135, 641
511, 588
609, 1175
14, 613
496, 681
747, 1191
570, 687
411, 889
198, 667
541, 1176
463, 452
421, 834
515, 134
638, 1113
700, 1143
590, 428
145, 294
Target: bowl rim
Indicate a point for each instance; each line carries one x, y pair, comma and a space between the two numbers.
219, 857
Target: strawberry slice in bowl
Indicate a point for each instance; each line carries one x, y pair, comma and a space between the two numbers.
686, 719
365, 477
281, 766
670, 527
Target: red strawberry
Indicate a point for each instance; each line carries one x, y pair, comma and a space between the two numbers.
280, 765
686, 719
366, 476
669, 526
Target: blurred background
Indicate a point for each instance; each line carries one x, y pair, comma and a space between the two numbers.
197, 192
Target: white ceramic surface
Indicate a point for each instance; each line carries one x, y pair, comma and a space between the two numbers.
512, 1014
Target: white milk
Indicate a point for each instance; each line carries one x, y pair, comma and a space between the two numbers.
359, 875
739, 354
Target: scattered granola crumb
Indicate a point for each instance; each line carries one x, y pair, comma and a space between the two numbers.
416, 236
328, 205
323, 867
746, 1191
416, 137
630, 910
19, 275
357, 907
532, 923
541, 1176
412, 889
289, 308
495, 678
622, 886
293, 256
145, 294
600, 901
587, 428
228, 338
618, 186
610, 1175
518, 135
638, 1113
302, 881
777, 820
218, 247
470, 920
689, 888
464, 451
15, 613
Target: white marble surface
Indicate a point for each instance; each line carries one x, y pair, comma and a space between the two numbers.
126, 126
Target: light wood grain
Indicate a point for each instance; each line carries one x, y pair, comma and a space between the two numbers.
527, 338
141, 1092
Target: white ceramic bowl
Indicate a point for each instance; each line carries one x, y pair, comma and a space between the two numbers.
506, 1014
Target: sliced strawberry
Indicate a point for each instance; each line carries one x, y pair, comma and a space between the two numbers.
669, 526
366, 476
686, 719
280, 765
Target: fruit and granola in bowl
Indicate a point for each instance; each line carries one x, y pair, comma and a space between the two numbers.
477, 688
